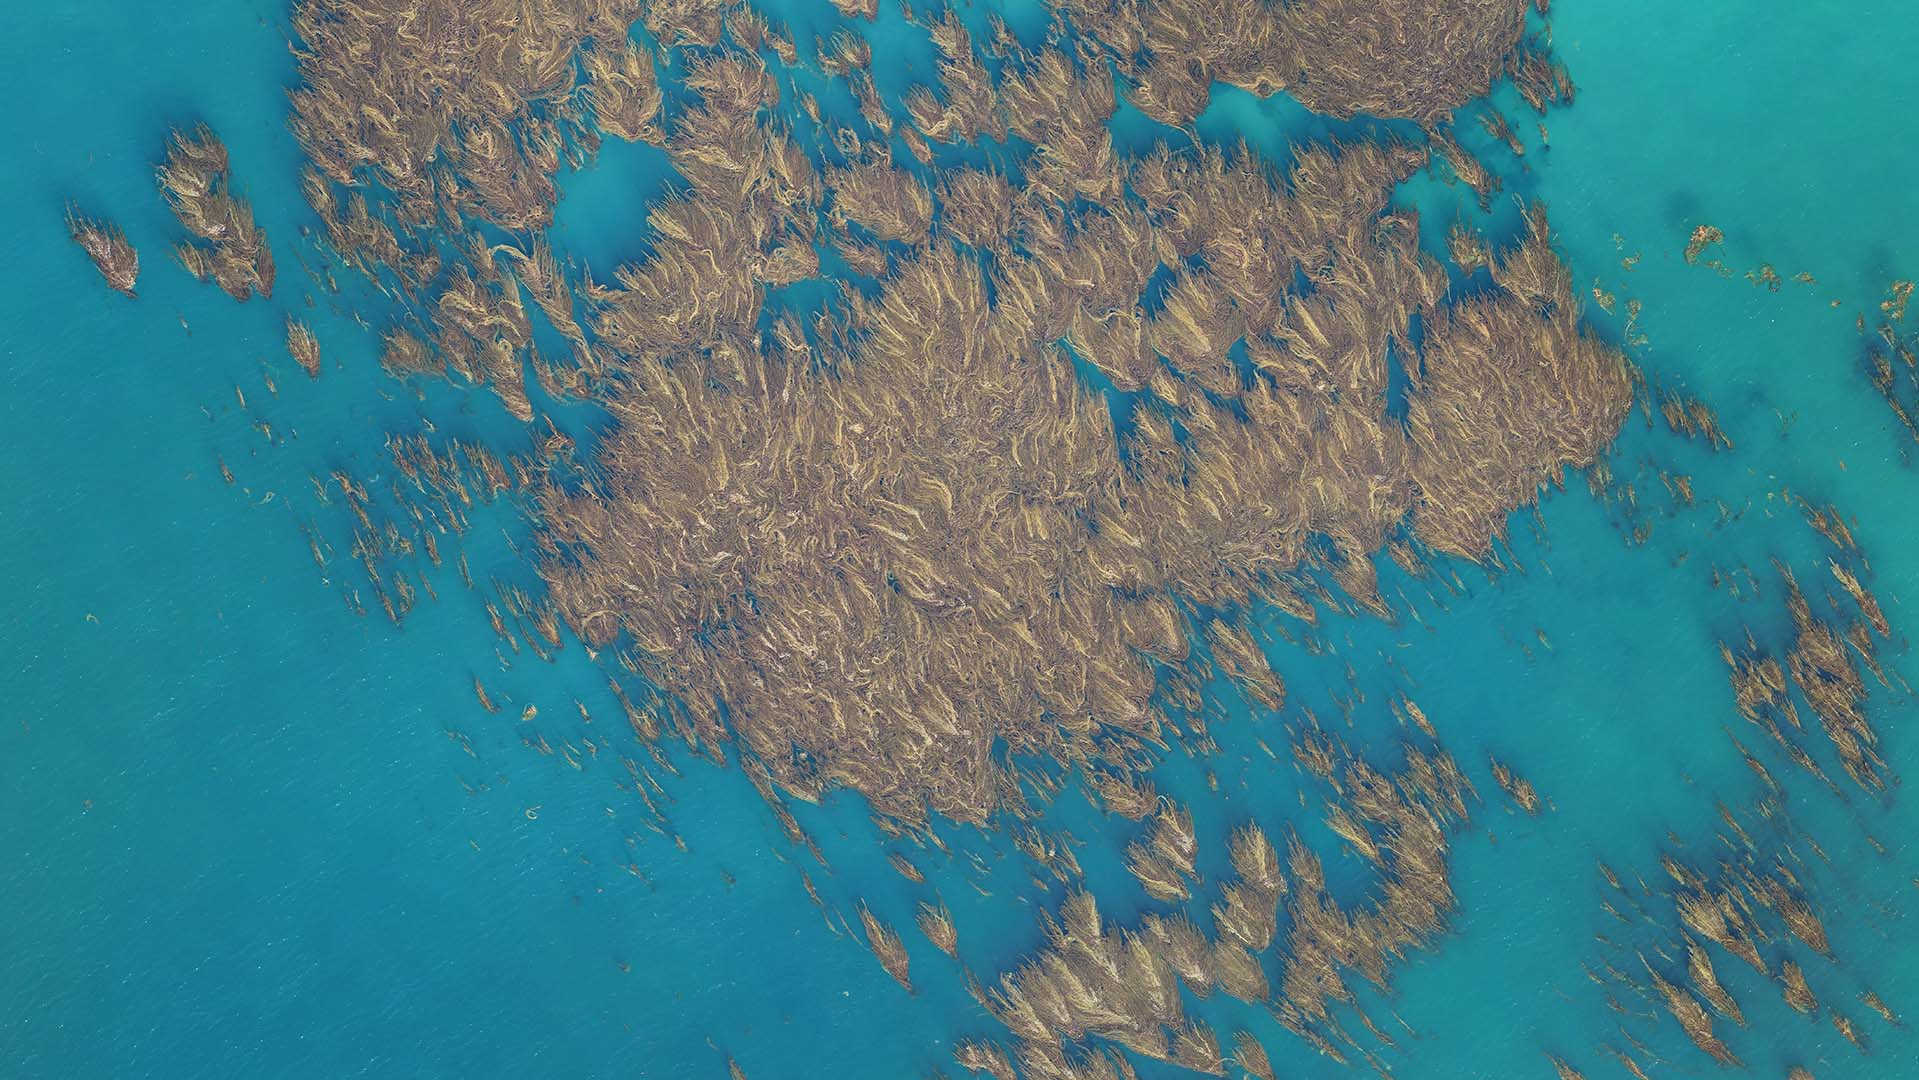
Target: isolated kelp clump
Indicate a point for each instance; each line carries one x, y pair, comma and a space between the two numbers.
108, 247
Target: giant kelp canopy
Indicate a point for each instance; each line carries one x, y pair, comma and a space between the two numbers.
880, 546
897, 540
924, 459
951, 448
890, 547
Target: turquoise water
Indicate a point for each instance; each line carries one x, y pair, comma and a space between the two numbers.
237, 839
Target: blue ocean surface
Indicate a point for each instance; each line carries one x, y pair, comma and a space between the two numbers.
245, 831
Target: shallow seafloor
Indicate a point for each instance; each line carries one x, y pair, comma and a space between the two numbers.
236, 839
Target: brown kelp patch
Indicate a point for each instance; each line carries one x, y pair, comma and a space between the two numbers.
1094, 981
1892, 357
227, 247
1822, 661
1490, 432
886, 946
303, 347
1517, 787
937, 924
1763, 893
1754, 902
1702, 238
108, 248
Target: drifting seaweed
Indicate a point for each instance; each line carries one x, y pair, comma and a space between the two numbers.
1416, 60
1163, 859
625, 93
1703, 237
984, 1057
